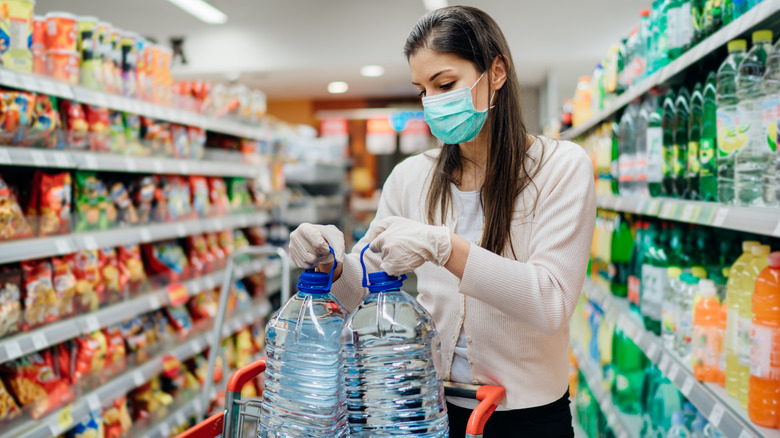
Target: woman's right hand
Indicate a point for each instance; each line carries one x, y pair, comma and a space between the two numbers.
309, 246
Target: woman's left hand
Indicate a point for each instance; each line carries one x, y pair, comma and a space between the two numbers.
405, 245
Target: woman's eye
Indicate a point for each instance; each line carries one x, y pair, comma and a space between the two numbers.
447, 86
422, 93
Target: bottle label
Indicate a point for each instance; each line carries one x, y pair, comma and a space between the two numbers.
707, 157
693, 158
749, 121
652, 293
668, 316
633, 289
679, 162
731, 137
655, 157
626, 167
744, 327
685, 22
672, 28
705, 344
770, 113
761, 364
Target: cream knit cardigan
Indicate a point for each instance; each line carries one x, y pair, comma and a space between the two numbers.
516, 311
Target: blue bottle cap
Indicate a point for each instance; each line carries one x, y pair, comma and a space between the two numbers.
317, 282
380, 281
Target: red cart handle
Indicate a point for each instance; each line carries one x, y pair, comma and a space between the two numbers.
489, 396
209, 428
245, 374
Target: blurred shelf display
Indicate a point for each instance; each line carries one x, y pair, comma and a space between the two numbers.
314, 173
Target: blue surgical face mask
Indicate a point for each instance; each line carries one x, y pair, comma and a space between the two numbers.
452, 116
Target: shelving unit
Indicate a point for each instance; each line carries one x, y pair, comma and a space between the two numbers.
711, 400
756, 16
323, 201
64, 418
759, 220
314, 173
624, 425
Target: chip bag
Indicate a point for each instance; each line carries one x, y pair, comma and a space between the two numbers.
131, 268
181, 142
179, 202
36, 383
89, 283
201, 259
116, 419
220, 202
116, 133
9, 410
126, 213
10, 116
50, 204
116, 353
109, 273
136, 340
133, 138
238, 193
65, 284
13, 224
26, 103
143, 193
10, 305
199, 188
76, 125
197, 137
46, 125
99, 122
93, 205
90, 355
39, 297
91, 427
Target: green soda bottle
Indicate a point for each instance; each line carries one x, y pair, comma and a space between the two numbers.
695, 123
628, 362
682, 112
655, 146
613, 167
635, 263
728, 12
667, 128
679, 27
708, 173
698, 11
620, 256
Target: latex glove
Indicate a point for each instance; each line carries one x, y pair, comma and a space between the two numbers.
309, 245
405, 245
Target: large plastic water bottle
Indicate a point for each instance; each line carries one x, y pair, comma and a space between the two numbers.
392, 352
730, 139
304, 387
627, 150
750, 160
678, 429
770, 116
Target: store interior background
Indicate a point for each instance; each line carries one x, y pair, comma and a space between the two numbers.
292, 50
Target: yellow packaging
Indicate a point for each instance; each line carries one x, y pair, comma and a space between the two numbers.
16, 18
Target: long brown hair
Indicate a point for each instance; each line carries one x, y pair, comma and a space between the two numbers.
473, 35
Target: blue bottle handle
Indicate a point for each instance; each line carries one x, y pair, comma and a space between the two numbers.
365, 278
332, 269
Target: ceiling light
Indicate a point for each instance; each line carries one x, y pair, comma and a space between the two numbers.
202, 11
432, 5
372, 71
338, 87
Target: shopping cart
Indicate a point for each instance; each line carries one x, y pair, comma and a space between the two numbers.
231, 422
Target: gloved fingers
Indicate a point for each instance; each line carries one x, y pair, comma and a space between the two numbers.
308, 247
380, 227
335, 238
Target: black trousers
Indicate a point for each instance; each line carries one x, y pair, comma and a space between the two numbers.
548, 421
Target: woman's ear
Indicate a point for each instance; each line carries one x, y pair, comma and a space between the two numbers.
498, 71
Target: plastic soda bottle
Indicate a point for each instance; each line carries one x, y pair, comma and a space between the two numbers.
695, 126
654, 144
627, 150
708, 150
669, 318
730, 137
613, 168
620, 256
747, 284
764, 391
682, 111
706, 338
732, 330
770, 115
629, 364
635, 265
668, 128
722, 326
653, 281
751, 159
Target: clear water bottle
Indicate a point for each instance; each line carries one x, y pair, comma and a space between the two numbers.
627, 140
304, 391
770, 116
750, 160
678, 429
730, 139
392, 354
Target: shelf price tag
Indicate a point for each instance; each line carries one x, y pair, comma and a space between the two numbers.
12, 350
90, 243
9, 78
90, 161
39, 341
623, 434
154, 302
177, 294
720, 217
184, 168
64, 417
63, 90
210, 282
688, 212
158, 166
746, 434
30, 83
652, 350
93, 402
180, 418
61, 159
181, 230
687, 386
652, 208
664, 363
146, 235
131, 165
92, 323
38, 158
243, 221
716, 414
63, 247
138, 378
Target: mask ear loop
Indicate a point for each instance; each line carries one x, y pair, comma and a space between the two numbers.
491, 95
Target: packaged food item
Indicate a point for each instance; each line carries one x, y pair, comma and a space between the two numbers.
238, 193
180, 319
199, 187
258, 189
9, 410
24, 104
256, 235
150, 136
131, 268
181, 141
128, 44
245, 348
65, 284
115, 43
197, 137
116, 132
219, 255
116, 353
98, 121
76, 125
93, 204
109, 273
90, 427
10, 305
103, 42
88, 52
204, 305
167, 260
50, 203
126, 213
90, 359
162, 197
180, 203
36, 383
38, 46
61, 31
201, 259
226, 242
116, 419
136, 341
16, 33
133, 135
39, 297
255, 284
165, 330
143, 197
165, 139
89, 283
46, 126
240, 298
63, 65
13, 224
220, 202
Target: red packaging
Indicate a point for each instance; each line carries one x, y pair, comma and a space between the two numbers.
226, 241
35, 381
89, 284
8, 407
116, 419
116, 353
99, 122
220, 202
109, 273
10, 303
90, 355
76, 125
44, 130
201, 259
39, 297
50, 204
64, 286
256, 235
13, 224
219, 255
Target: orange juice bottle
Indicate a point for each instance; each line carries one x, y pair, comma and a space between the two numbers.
722, 325
706, 335
764, 392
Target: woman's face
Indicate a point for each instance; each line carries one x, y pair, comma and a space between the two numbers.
435, 73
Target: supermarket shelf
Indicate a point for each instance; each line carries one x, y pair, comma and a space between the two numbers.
314, 173
63, 419
45, 85
182, 415
624, 425
759, 220
720, 410
315, 211
27, 249
38, 158
25, 343
745, 23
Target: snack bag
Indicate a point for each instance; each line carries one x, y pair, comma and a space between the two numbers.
10, 307
220, 202
89, 283
46, 125
143, 193
201, 260
180, 203
165, 139
50, 204
238, 193
90, 355
256, 235
91, 427
199, 188
123, 204
131, 268
181, 142
226, 242
39, 297
219, 255
13, 224
36, 383
98, 121
165, 330
197, 137
116, 419
26, 103
245, 348
180, 318
133, 137
116, 133
95, 209
65, 284
258, 191
136, 341
167, 260
9, 410
10, 116
240, 296
116, 352
204, 305
162, 196
76, 125
109, 273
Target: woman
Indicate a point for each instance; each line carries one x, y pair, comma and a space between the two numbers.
496, 224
